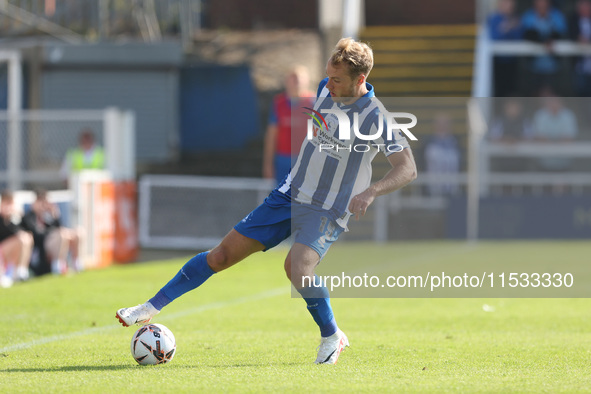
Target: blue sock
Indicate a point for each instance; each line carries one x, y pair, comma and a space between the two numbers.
192, 275
318, 301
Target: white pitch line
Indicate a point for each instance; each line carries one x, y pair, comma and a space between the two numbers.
54, 338
214, 305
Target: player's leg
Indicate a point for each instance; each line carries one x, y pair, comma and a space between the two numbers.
234, 248
299, 267
315, 233
262, 229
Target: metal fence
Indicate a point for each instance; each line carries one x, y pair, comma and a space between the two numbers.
33, 143
193, 212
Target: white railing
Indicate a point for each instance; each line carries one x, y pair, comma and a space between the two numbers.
487, 49
527, 48
33, 143
530, 149
194, 212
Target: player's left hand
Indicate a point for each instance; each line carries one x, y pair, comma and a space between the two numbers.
359, 204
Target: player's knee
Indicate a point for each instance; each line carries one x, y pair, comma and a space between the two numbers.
300, 274
295, 275
220, 258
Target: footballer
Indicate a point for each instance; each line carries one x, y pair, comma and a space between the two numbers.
314, 202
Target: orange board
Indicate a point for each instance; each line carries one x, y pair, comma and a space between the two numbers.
104, 219
126, 231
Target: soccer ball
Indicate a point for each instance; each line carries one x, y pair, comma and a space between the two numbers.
153, 344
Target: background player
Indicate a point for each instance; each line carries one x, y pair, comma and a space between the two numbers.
314, 202
286, 129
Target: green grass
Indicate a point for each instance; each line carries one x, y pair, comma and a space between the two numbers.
242, 332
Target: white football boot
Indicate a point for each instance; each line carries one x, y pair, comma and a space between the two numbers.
140, 314
330, 348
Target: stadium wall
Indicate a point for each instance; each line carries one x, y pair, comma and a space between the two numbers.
303, 14
206, 92
139, 77
257, 14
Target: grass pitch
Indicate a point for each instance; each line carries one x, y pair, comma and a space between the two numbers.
242, 332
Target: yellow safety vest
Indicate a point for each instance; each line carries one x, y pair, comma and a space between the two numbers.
78, 163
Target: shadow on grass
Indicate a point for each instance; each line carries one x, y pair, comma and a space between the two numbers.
73, 368
82, 368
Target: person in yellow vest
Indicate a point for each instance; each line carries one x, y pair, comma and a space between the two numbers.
87, 156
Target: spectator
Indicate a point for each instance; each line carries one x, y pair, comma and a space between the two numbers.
53, 243
512, 125
504, 24
509, 127
15, 244
286, 130
87, 156
543, 24
580, 31
554, 123
442, 156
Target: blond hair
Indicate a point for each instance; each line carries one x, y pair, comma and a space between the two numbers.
358, 56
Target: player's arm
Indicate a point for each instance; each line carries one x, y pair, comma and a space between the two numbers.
403, 171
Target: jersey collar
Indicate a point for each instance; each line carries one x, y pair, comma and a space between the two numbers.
360, 103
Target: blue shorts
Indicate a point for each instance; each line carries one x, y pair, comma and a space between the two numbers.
277, 218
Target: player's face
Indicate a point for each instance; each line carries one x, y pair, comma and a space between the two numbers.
340, 84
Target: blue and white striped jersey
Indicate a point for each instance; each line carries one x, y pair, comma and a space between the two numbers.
329, 171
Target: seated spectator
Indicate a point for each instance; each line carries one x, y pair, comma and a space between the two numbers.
554, 123
543, 24
509, 127
442, 156
504, 24
512, 125
15, 244
580, 31
53, 242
